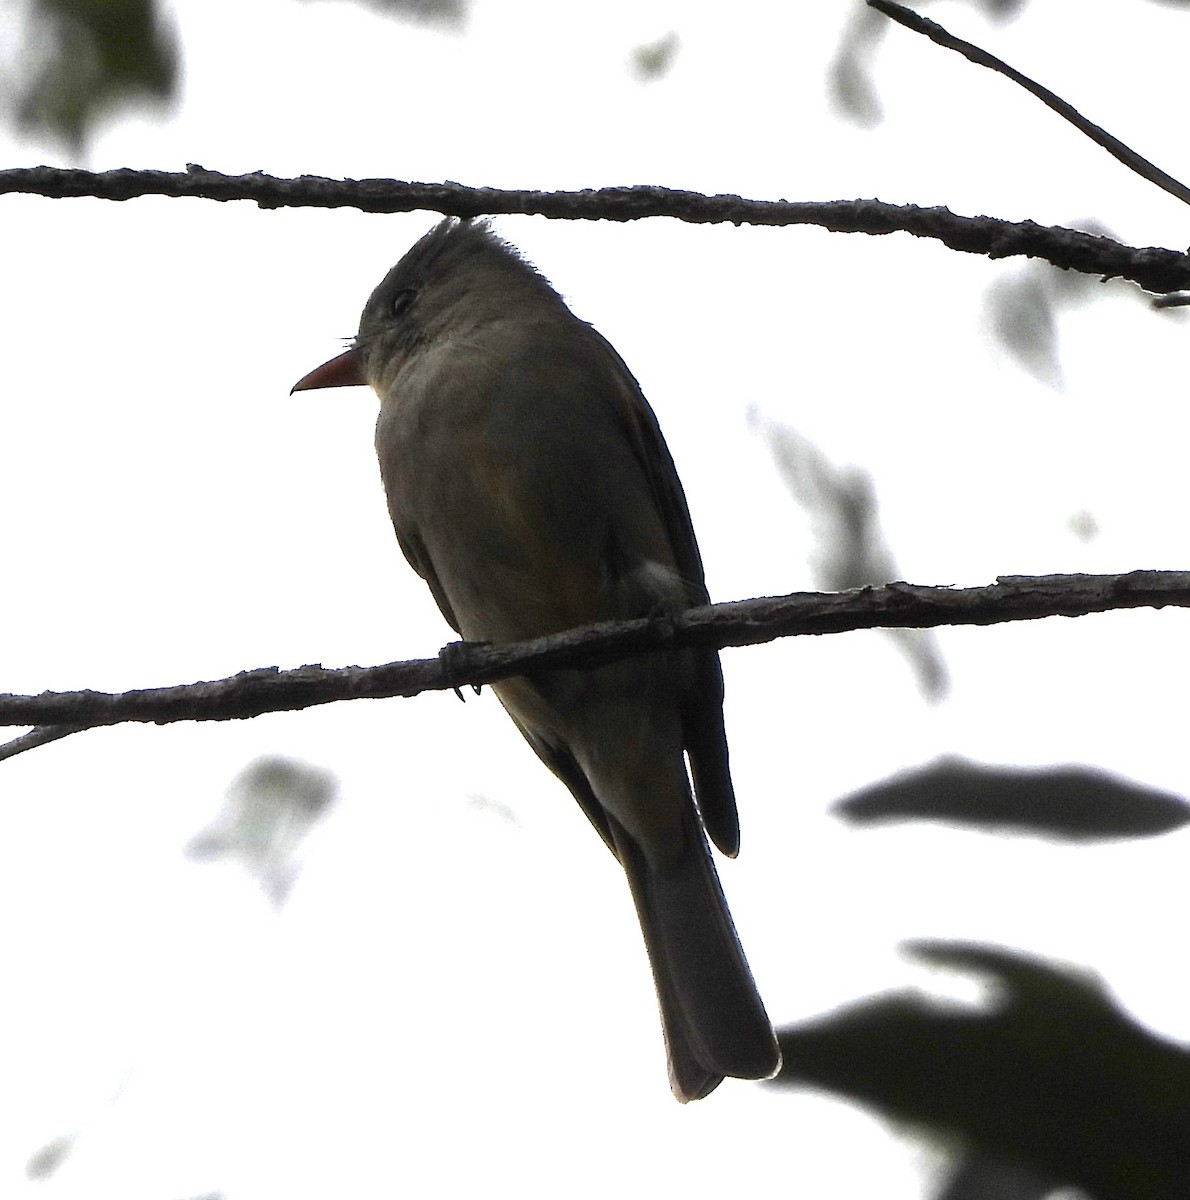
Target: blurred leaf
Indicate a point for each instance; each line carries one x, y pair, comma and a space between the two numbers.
1002, 10
1074, 287
1074, 803
44, 1162
986, 1177
496, 808
654, 60
1052, 1073
447, 13
842, 504
1024, 307
86, 58
271, 807
850, 79
920, 647
1083, 525
851, 550
850, 87
1022, 314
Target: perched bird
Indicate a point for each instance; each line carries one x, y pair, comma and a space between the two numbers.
531, 488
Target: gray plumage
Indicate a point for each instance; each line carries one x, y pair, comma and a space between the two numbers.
530, 486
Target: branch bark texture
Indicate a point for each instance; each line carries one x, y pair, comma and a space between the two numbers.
742, 623
1155, 269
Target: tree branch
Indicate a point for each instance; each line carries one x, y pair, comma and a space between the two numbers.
41, 736
1117, 149
1155, 269
743, 623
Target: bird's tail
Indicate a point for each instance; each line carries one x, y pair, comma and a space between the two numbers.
712, 1015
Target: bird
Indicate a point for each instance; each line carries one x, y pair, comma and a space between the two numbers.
530, 486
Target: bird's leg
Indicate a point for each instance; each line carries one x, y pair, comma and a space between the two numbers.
455, 658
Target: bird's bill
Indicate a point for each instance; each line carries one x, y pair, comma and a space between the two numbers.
345, 371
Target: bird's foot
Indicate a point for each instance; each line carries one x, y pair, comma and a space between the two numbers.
455, 658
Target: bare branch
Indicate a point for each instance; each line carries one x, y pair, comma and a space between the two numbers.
743, 623
41, 736
1112, 144
1153, 268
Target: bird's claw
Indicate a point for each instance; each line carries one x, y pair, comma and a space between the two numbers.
455, 658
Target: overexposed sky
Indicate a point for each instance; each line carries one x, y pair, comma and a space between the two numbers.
455, 999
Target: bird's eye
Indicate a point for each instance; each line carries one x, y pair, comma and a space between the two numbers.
399, 304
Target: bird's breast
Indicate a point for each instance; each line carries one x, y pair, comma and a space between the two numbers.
531, 506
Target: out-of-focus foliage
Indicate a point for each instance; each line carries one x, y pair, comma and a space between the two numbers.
1083, 525
271, 807
447, 13
1022, 321
1025, 305
1051, 1073
496, 808
986, 1177
654, 60
851, 551
44, 1162
1072, 803
84, 59
850, 79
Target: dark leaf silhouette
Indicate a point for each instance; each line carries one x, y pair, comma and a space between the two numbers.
1051, 1074
987, 1177
446, 13
1074, 803
86, 58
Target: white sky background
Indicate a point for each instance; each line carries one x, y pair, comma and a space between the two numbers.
452, 1003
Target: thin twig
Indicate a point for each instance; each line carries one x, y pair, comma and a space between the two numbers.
41, 736
743, 623
1112, 144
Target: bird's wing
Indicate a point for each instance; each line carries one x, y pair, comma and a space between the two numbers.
702, 714
419, 559
644, 435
